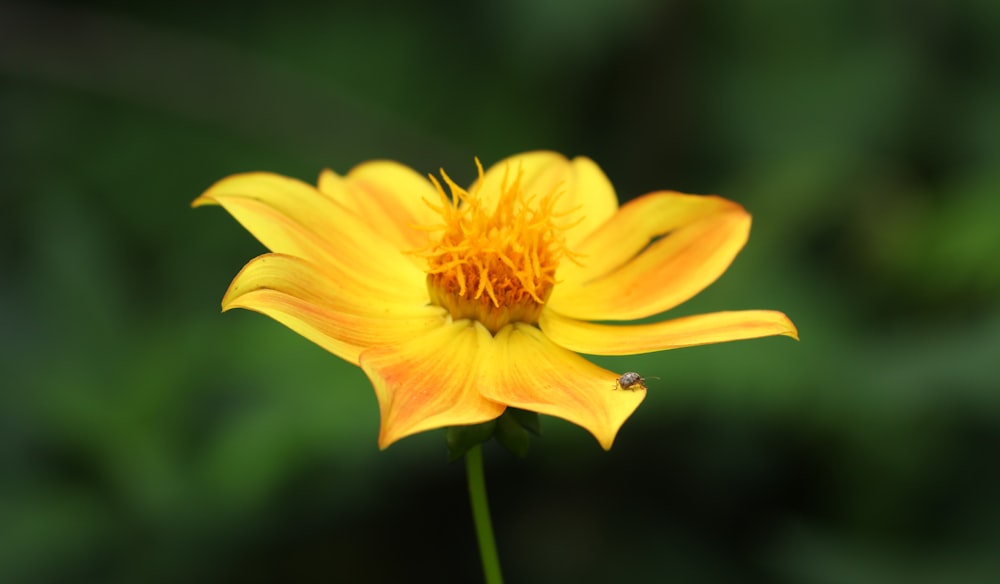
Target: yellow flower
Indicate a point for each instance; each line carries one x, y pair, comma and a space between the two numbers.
459, 306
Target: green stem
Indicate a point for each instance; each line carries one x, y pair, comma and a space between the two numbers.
481, 515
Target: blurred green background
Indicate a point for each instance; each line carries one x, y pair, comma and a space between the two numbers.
146, 438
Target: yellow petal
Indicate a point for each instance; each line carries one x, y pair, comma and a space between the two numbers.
591, 198
531, 372
588, 198
291, 217
389, 196
342, 316
702, 329
701, 236
431, 380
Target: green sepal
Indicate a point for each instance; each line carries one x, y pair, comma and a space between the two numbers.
461, 438
512, 430
512, 435
527, 419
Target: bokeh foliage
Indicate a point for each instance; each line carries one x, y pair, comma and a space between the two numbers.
146, 438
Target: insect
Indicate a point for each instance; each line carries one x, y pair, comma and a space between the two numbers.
631, 381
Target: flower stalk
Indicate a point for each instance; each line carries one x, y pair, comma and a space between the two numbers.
481, 515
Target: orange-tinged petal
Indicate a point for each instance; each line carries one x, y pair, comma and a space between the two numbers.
342, 316
390, 196
292, 198
323, 285
588, 199
635, 225
291, 217
530, 372
701, 236
431, 381
702, 329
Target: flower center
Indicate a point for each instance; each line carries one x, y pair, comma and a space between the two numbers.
497, 255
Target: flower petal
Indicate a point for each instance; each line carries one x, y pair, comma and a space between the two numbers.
338, 314
431, 380
702, 329
701, 236
588, 198
291, 217
594, 196
390, 196
531, 372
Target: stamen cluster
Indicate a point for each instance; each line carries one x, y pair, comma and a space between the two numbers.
497, 255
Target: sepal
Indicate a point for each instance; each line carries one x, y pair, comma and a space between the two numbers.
512, 430
461, 438
528, 419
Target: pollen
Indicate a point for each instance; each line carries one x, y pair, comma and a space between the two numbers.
495, 254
